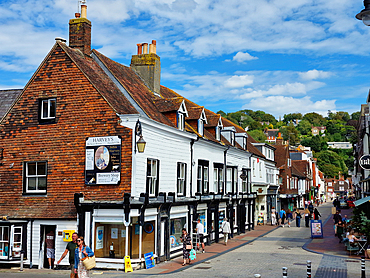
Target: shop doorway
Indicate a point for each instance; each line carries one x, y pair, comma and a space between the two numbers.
44, 230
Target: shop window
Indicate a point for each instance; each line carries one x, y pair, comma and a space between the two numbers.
221, 217
4, 242
181, 179
47, 110
110, 240
152, 177
35, 174
176, 226
203, 219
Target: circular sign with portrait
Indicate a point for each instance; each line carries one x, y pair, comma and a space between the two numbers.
101, 158
364, 162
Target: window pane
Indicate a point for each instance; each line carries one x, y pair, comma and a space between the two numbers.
41, 168
52, 106
32, 183
44, 109
154, 168
31, 167
1, 234
205, 173
154, 181
42, 184
199, 172
149, 167
215, 174
6, 233
17, 238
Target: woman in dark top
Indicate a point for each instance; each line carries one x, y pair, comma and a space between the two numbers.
186, 241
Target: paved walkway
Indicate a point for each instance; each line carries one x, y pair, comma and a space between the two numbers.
264, 250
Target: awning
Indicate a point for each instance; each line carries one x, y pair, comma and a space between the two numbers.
362, 201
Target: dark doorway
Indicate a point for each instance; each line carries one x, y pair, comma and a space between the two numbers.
44, 230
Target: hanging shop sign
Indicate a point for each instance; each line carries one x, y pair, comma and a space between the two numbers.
103, 160
364, 162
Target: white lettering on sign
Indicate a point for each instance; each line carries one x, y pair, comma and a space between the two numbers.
365, 161
108, 178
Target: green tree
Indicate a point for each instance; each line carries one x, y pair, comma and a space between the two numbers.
331, 163
304, 127
255, 126
355, 115
291, 117
222, 113
315, 119
290, 133
316, 143
258, 135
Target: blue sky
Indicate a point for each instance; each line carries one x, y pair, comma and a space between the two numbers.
279, 56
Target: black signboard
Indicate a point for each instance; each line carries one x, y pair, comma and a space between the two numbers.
103, 160
365, 162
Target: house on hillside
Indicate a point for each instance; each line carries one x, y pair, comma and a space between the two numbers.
271, 135
72, 159
317, 130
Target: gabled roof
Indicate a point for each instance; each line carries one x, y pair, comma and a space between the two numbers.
7, 98
135, 86
302, 166
196, 113
296, 171
281, 155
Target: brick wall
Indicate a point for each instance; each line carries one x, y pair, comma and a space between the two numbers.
81, 112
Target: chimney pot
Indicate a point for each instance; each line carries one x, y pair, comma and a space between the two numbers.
139, 49
77, 15
145, 48
83, 11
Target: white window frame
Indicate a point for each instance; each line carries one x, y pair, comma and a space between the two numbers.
152, 179
229, 180
181, 121
18, 249
3, 242
48, 102
201, 127
37, 176
181, 179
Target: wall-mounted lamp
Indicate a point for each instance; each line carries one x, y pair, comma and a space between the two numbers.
364, 15
140, 144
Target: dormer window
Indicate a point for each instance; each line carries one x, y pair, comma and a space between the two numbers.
180, 120
201, 127
229, 134
218, 129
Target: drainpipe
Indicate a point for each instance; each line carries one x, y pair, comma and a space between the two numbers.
31, 243
191, 164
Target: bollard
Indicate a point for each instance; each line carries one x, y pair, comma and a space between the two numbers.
363, 275
257, 276
285, 272
308, 269
21, 268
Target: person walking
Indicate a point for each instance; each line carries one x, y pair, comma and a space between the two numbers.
316, 214
273, 216
307, 217
81, 252
200, 235
298, 218
310, 207
225, 226
50, 248
71, 248
186, 244
289, 217
282, 215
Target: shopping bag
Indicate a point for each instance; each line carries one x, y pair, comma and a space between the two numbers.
192, 255
89, 262
333, 210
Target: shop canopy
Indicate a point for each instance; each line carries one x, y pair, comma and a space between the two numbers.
362, 201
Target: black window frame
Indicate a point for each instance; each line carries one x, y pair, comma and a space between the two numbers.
156, 186
247, 181
202, 164
49, 119
178, 180
26, 177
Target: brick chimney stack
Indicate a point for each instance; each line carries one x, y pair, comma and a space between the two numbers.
80, 31
279, 139
148, 65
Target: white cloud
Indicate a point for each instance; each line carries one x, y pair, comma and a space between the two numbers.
314, 74
239, 81
278, 105
241, 57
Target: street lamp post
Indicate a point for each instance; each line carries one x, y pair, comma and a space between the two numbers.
364, 15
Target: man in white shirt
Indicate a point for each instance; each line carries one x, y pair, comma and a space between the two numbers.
200, 235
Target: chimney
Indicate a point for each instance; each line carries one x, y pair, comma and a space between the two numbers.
148, 66
279, 139
80, 31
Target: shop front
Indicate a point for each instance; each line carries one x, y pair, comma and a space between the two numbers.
13, 239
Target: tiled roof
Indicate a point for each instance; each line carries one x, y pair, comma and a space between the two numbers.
7, 98
168, 104
301, 165
194, 113
100, 81
135, 87
296, 171
281, 155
